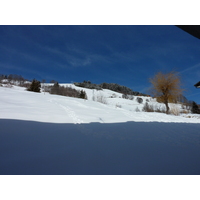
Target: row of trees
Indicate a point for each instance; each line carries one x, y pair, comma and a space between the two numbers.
88, 84
165, 87
121, 89
35, 86
12, 78
110, 86
66, 91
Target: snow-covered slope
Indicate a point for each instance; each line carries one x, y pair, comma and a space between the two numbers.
17, 103
49, 134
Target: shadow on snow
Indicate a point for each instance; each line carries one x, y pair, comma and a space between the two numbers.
132, 148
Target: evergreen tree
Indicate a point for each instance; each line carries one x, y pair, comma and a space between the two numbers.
35, 86
195, 108
83, 95
55, 89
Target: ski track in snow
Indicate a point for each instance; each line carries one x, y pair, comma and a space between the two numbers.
71, 113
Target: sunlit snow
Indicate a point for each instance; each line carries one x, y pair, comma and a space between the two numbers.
16, 103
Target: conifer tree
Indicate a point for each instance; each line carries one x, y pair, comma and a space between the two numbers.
35, 86
55, 89
195, 108
83, 95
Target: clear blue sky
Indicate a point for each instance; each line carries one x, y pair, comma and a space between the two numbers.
127, 55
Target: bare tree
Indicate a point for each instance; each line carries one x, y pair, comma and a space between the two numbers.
166, 88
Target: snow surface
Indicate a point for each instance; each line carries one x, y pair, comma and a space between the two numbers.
131, 148
49, 134
16, 103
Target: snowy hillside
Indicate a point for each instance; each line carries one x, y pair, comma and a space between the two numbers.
50, 134
103, 106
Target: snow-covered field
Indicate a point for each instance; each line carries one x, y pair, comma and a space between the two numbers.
49, 134
16, 103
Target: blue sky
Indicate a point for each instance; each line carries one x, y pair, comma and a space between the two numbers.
127, 55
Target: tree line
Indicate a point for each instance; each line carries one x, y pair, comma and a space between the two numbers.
110, 86
65, 91
166, 88
35, 86
11, 78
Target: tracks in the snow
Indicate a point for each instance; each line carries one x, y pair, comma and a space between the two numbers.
70, 112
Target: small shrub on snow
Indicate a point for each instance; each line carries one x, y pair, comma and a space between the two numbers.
148, 108
139, 100
125, 96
